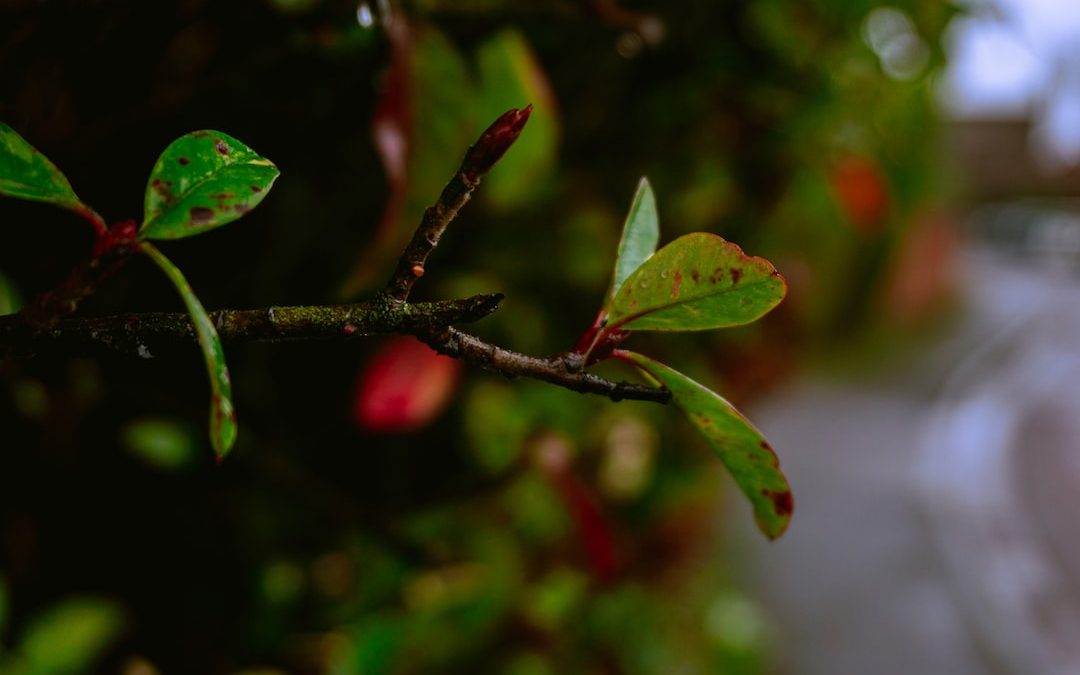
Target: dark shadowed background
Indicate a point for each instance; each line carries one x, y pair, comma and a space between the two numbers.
470, 523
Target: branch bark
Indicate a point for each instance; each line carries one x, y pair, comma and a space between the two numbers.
479, 159
144, 333
45, 325
563, 370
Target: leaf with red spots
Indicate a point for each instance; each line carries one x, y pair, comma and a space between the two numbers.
640, 234
406, 386
25, 173
697, 282
222, 415
202, 181
743, 450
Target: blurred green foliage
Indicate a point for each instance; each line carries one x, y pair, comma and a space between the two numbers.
66, 639
529, 529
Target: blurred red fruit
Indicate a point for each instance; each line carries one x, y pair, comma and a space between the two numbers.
404, 387
862, 191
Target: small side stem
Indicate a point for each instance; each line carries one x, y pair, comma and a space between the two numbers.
94, 218
560, 370
479, 159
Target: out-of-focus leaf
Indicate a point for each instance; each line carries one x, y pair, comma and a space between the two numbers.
10, 302
640, 234
25, 173
162, 443
697, 282
406, 386
496, 425
282, 581
535, 509
222, 415
553, 600
628, 620
69, 638
510, 76
373, 648
736, 624
528, 663
584, 230
203, 180
743, 450
474, 595
31, 398
421, 136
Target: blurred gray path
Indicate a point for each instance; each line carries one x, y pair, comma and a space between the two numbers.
936, 502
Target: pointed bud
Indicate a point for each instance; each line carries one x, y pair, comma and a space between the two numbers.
494, 142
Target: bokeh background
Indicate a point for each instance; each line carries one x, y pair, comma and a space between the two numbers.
910, 167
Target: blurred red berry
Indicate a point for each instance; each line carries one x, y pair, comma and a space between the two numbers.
404, 387
862, 191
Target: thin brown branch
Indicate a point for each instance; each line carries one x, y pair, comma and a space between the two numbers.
562, 370
143, 334
479, 159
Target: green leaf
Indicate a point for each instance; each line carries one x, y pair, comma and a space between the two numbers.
222, 414
697, 282
743, 450
203, 180
69, 638
161, 443
640, 234
25, 173
9, 296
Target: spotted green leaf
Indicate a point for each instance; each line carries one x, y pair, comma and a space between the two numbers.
25, 173
203, 180
697, 282
743, 450
222, 414
640, 234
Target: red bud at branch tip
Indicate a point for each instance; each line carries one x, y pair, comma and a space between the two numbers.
495, 141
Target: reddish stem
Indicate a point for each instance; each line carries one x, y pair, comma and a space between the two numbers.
120, 234
597, 343
96, 221
593, 527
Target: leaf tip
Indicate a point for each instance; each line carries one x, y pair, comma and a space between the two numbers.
223, 429
782, 506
